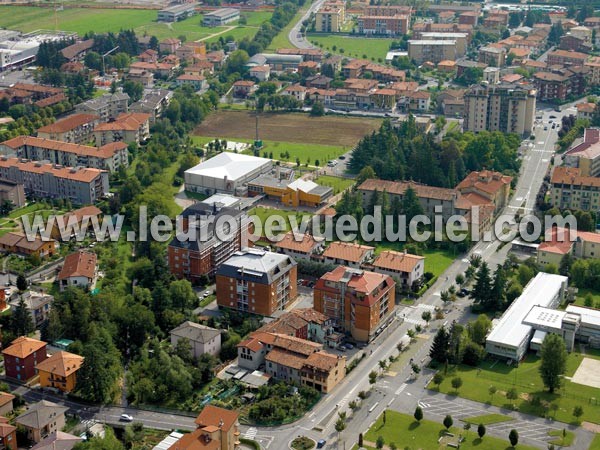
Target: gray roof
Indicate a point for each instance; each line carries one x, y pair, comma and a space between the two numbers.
33, 300
223, 12
179, 8
96, 103
40, 414
262, 266
195, 332
58, 441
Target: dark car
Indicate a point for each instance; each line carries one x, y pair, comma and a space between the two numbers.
463, 292
321, 443
349, 346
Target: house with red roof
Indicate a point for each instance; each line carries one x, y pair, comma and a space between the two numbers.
22, 356
78, 270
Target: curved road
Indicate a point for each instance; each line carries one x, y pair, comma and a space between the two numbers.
295, 36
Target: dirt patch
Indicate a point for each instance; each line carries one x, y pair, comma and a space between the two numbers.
593, 427
301, 128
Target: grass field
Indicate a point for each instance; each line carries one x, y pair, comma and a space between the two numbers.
436, 261
264, 213
355, 47
338, 184
487, 419
405, 432
533, 397
281, 40
297, 128
580, 299
595, 443
564, 441
82, 20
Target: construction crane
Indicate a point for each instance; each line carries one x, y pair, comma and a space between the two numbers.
106, 54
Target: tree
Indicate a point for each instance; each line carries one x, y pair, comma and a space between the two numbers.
372, 377
439, 347
134, 89
512, 394
365, 174
108, 442
438, 379
340, 425
21, 322
448, 422
577, 412
21, 282
426, 316
513, 437
492, 390
418, 415
380, 442
498, 296
460, 279
383, 364
481, 430
411, 206
565, 264
317, 110
479, 328
553, 361
482, 291
457, 383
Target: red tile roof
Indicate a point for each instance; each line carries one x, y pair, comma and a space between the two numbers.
23, 346
403, 262
61, 363
79, 264
217, 417
347, 251
69, 123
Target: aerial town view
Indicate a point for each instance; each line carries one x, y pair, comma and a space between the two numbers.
299, 224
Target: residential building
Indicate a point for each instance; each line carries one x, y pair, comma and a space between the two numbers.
295, 90
58, 440
127, 127
573, 43
38, 304
509, 108
195, 259
584, 154
6, 403
256, 281
468, 18
59, 371
12, 192
491, 75
298, 192
396, 25
299, 246
77, 51
388, 10
510, 336
162, 69
22, 356
227, 173
198, 82
107, 107
80, 185
493, 186
261, 73
433, 51
142, 76
461, 40
176, 13
561, 84
566, 58
307, 54
559, 242
572, 190
348, 254
80, 219
492, 56
153, 102
407, 269
329, 18
76, 129
169, 45
36, 94
303, 323
585, 110
8, 434
201, 338
360, 302
217, 429
19, 244
79, 270
108, 156
220, 17
243, 88
42, 419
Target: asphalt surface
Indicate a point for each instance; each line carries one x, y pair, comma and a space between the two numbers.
295, 36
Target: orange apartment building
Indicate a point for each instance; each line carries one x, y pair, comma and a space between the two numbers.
8, 435
22, 357
359, 301
256, 281
217, 429
60, 371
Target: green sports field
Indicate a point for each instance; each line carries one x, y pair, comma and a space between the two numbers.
352, 46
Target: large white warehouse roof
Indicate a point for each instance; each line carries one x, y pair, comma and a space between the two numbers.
227, 164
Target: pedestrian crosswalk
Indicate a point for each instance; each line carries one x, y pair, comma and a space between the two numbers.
400, 389
251, 433
415, 321
88, 423
428, 307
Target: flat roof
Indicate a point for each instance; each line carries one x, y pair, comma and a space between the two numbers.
431, 42
223, 12
179, 8
589, 316
228, 164
255, 260
510, 329
545, 317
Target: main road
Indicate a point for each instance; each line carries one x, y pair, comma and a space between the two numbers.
295, 36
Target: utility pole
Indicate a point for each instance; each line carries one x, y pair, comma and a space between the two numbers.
106, 54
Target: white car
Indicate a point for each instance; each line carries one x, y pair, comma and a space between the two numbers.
126, 418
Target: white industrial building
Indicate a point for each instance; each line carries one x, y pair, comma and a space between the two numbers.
510, 336
17, 50
226, 173
220, 17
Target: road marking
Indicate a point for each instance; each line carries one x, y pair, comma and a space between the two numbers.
251, 433
400, 389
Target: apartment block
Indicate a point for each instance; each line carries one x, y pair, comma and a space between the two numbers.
38, 304
433, 51
22, 356
106, 157
509, 108
396, 25
388, 10
329, 18
76, 129
572, 190
256, 281
585, 154
461, 40
127, 127
560, 84
108, 107
566, 58
359, 302
81, 186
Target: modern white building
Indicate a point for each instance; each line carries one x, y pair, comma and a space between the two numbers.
226, 173
220, 17
511, 335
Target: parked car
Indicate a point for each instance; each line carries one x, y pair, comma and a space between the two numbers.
342, 348
206, 293
321, 443
126, 418
349, 346
463, 292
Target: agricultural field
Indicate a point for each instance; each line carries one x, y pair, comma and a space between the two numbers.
297, 128
83, 20
353, 46
404, 431
533, 398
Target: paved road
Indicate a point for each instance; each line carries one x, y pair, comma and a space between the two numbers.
295, 36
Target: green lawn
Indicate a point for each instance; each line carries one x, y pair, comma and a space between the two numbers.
487, 419
595, 443
563, 441
79, 20
338, 184
436, 261
533, 397
405, 432
281, 40
276, 150
264, 213
580, 299
353, 46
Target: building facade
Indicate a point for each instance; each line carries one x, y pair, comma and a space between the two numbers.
22, 356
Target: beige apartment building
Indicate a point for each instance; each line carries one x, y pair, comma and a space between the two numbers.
509, 108
330, 18
423, 50
572, 190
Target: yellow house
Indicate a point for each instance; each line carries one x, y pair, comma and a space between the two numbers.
297, 193
60, 371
